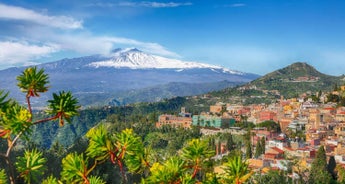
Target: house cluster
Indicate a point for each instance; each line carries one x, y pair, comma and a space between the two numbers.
303, 79
305, 126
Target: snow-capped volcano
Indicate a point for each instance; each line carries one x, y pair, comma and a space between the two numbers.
129, 75
136, 59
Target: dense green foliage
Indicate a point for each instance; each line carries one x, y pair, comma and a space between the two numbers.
270, 126
272, 177
237, 170
122, 145
171, 90
16, 121
287, 81
125, 116
122, 140
31, 165
319, 173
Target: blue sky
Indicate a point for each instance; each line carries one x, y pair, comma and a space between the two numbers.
256, 36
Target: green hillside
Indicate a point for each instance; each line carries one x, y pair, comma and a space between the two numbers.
291, 81
296, 79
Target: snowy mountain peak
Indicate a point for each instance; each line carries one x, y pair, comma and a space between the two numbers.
135, 59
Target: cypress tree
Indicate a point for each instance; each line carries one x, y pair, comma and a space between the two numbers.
258, 149
263, 145
318, 172
230, 144
331, 166
249, 153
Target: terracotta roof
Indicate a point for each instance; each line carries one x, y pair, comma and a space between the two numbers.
278, 150
288, 148
279, 138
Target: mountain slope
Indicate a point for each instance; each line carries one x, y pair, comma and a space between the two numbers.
295, 79
171, 90
290, 81
293, 71
97, 79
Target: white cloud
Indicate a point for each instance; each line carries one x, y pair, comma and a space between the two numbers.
163, 5
26, 44
88, 44
19, 13
148, 4
13, 53
149, 47
238, 5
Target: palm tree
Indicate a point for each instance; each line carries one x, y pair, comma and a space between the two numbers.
4, 103
3, 177
124, 147
31, 165
196, 153
32, 82
75, 169
16, 120
171, 171
63, 106
3, 100
237, 171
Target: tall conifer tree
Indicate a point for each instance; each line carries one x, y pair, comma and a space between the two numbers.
318, 172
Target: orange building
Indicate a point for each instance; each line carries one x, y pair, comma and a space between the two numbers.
284, 123
216, 108
174, 121
267, 115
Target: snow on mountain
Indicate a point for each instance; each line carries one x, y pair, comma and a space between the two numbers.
98, 78
136, 59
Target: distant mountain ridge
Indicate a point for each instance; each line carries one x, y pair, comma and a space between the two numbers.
99, 80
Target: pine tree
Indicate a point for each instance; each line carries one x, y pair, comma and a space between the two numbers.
319, 173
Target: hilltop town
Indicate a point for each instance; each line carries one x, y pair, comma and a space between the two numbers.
305, 123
